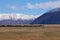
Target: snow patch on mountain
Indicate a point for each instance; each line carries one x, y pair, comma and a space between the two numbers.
17, 16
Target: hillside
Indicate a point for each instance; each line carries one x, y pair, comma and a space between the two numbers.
51, 17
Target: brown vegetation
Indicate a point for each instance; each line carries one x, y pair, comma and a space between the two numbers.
30, 33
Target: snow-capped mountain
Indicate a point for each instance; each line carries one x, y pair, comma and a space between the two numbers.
16, 19
17, 16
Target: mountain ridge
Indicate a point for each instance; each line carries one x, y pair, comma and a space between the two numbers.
12, 19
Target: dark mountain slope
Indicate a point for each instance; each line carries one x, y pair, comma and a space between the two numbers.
51, 17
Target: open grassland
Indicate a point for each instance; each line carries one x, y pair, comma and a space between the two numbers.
48, 32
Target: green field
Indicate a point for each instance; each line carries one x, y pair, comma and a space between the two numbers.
30, 33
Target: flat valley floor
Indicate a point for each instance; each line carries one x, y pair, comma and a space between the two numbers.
48, 32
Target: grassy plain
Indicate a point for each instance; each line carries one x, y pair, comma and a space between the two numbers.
48, 32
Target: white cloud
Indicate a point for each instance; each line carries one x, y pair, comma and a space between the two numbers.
44, 5
29, 6
14, 7
17, 16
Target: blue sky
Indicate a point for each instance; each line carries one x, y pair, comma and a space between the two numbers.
30, 7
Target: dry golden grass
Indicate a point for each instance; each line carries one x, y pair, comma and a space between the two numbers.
30, 33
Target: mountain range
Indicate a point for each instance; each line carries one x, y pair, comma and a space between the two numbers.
50, 17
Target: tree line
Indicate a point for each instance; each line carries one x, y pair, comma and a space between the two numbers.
23, 25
